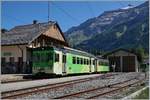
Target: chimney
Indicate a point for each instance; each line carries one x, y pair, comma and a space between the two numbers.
34, 21
130, 5
3, 30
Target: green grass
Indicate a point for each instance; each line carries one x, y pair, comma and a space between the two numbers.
143, 95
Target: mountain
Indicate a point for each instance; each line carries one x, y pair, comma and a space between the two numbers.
120, 28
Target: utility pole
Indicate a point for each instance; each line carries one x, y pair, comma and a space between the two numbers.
48, 10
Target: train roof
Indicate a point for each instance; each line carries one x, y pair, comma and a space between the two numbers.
103, 60
74, 51
67, 50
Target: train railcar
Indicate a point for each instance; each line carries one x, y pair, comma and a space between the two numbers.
63, 61
102, 65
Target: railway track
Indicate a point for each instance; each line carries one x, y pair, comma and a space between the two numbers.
101, 91
24, 92
14, 81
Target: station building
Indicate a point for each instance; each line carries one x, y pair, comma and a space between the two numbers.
123, 60
17, 43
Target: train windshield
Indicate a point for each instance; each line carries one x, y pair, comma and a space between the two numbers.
42, 57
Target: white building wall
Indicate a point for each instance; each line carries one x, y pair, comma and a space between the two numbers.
13, 51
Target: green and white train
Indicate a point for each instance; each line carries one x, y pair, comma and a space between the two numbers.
64, 61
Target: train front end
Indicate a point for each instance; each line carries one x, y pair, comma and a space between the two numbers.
42, 60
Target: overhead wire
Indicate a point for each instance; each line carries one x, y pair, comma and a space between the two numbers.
16, 19
90, 8
21, 21
65, 12
120, 2
48, 11
92, 14
48, 17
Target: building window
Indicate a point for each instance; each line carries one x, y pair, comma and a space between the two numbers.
78, 60
56, 57
20, 59
11, 60
3, 61
74, 60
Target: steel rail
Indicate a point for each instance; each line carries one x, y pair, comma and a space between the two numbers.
48, 87
114, 90
90, 90
14, 81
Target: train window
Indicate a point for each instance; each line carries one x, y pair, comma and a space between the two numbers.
74, 60
47, 57
81, 60
106, 63
99, 62
84, 61
56, 57
90, 61
36, 57
50, 56
64, 59
87, 61
93, 62
43, 57
102, 63
78, 60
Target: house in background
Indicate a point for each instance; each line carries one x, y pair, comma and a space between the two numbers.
16, 44
123, 60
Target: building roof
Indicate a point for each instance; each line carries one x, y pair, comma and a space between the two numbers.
25, 34
120, 49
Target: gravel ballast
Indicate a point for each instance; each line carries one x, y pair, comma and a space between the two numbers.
52, 93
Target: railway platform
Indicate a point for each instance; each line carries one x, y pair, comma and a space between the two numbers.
12, 77
34, 83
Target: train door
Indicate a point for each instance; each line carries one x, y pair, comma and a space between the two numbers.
92, 65
90, 69
95, 65
63, 63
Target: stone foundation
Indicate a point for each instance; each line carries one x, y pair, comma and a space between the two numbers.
15, 68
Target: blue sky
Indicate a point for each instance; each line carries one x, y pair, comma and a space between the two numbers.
66, 13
